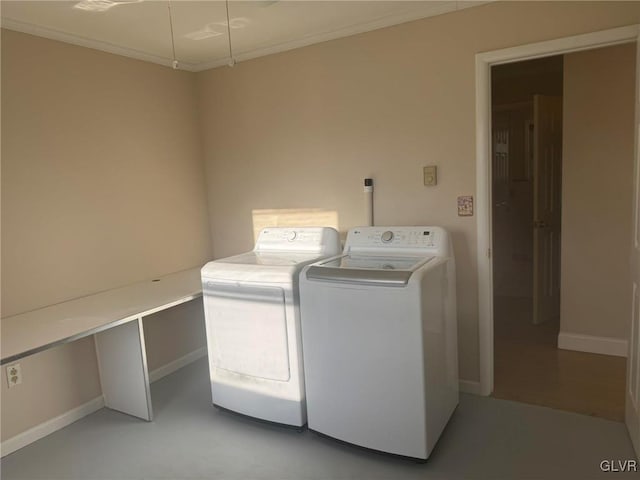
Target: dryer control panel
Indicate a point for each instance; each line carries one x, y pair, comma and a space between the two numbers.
303, 239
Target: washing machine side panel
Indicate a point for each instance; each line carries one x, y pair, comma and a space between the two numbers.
440, 347
364, 366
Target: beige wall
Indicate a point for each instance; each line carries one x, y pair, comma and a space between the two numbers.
174, 333
303, 128
102, 178
520, 81
597, 189
102, 185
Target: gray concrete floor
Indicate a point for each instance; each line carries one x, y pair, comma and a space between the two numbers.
487, 438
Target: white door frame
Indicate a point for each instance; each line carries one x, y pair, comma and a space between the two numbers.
484, 62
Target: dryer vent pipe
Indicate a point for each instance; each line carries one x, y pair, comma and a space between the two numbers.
368, 200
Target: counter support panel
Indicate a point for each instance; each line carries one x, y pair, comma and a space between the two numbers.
124, 375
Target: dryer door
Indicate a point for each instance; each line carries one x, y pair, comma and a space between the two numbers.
247, 329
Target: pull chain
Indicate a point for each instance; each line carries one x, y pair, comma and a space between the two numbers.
232, 60
174, 64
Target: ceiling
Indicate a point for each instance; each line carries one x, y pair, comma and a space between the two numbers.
141, 29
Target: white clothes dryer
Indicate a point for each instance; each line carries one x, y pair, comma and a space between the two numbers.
252, 320
379, 332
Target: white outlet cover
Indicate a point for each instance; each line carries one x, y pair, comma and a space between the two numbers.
14, 375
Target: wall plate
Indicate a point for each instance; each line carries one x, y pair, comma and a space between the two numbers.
465, 206
430, 175
14, 375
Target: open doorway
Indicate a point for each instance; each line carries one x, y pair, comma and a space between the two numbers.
526, 188
528, 244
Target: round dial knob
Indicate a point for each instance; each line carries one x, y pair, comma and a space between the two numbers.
387, 236
291, 236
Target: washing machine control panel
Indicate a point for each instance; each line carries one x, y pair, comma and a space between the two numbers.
394, 238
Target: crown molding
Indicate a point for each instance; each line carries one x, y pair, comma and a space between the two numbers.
427, 10
52, 34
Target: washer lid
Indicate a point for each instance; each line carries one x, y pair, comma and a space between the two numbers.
379, 270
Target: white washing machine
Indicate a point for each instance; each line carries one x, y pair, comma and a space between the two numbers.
379, 332
252, 319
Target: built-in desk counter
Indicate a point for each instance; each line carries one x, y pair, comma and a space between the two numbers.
115, 318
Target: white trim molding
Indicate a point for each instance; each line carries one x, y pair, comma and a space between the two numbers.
470, 386
102, 46
484, 62
428, 9
177, 364
592, 344
42, 430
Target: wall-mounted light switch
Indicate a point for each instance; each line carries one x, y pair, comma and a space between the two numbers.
430, 175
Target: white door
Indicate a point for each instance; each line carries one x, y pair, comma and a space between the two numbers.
501, 225
632, 404
547, 178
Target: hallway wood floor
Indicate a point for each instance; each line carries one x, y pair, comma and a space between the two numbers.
529, 368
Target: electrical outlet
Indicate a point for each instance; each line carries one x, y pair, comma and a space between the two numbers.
14, 375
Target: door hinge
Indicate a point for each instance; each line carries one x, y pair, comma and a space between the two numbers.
540, 224
488, 253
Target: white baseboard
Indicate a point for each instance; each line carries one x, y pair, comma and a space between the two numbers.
592, 344
177, 364
42, 430
469, 386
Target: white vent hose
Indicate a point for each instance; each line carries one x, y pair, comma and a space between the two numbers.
368, 200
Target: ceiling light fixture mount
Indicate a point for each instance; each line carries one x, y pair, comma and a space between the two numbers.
101, 5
